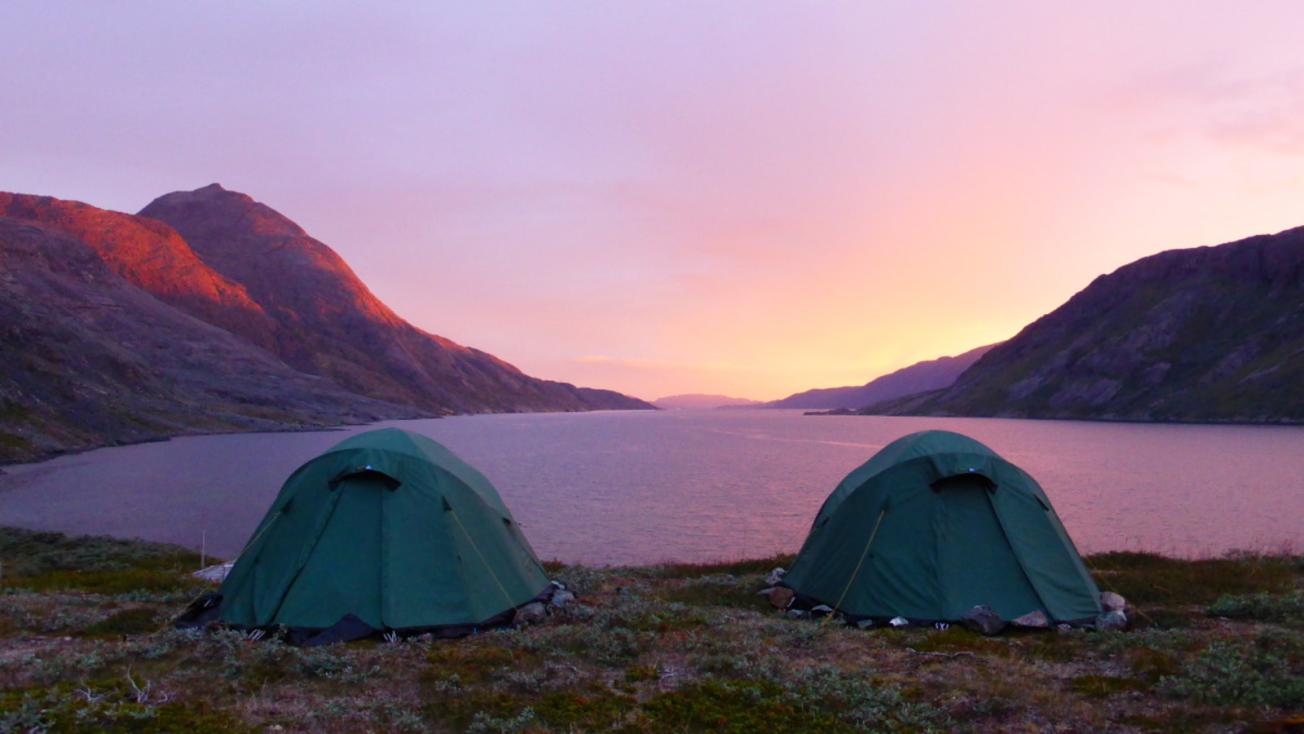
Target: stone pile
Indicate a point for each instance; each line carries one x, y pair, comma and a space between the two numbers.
553, 599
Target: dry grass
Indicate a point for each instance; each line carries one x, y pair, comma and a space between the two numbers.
668, 648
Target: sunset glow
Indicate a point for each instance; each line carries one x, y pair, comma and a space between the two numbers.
748, 199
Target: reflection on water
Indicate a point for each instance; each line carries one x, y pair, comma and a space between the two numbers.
639, 487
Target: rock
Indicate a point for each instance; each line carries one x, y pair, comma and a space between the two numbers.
781, 597
982, 619
798, 614
823, 610
531, 613
1112, 602
1113, 620
899, 622
1061, 627
561, 598
775, 576
1032, 620
865, 624
215, 574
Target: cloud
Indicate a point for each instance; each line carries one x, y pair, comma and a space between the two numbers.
1253, 109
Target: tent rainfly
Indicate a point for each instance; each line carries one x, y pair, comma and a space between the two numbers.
386, 532
933, 525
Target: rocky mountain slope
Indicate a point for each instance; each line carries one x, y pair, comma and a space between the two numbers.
91, 359
150, 255
117, 328
919, 377
327, 322
699, 401
1203, 334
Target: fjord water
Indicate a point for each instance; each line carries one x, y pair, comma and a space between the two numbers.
641, 487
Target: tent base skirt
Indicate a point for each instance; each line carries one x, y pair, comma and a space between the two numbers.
206, 612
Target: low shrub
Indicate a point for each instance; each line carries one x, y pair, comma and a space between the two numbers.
137, 621
716, 591
112, 707
42, 561
1265, 671
755, 566
1261, 607
1147, 578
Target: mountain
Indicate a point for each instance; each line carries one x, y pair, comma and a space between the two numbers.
117, 328
698, 401
1202, 334
92, 359
326, 322
150, 255
918, 377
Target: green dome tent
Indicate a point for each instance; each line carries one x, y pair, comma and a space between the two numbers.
934, 525
386, 531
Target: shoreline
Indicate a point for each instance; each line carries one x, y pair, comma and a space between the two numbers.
836, 412
48, 456
1063, 419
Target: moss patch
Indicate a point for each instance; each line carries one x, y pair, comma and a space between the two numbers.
1104, 686
138, 621
736, 706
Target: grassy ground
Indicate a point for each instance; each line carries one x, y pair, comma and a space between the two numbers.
85, 645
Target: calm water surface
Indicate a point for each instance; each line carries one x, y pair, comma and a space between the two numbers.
640, 487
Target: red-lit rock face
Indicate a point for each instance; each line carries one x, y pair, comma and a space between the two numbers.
329, 322
152, 256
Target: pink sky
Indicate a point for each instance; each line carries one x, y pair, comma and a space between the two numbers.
743, 198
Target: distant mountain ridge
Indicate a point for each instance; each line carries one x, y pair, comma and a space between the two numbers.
1202, 334
697, 401
120, 328
918, 377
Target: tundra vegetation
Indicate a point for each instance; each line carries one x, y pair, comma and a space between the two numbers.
86, 644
